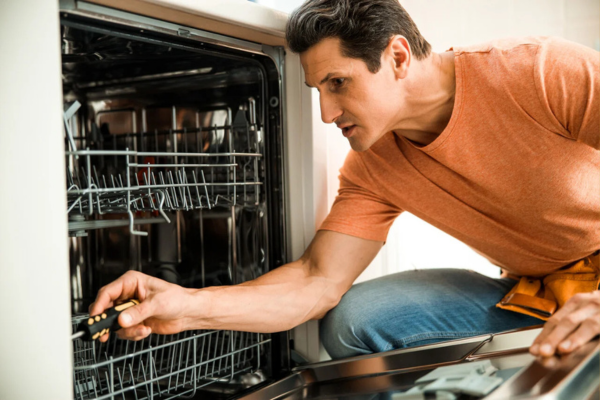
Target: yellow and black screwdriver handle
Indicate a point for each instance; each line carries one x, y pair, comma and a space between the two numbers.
98, 325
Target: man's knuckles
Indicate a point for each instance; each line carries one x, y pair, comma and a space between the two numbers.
132, 274
579, 298
586, 298
593, 323
572, 320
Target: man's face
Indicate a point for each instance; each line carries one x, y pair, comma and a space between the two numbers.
363, 105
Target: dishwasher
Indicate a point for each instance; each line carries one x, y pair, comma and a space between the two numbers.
176, 165
174, 168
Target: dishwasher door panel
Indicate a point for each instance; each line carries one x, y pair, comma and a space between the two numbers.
387, 376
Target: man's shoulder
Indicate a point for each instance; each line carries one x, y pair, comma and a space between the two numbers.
512, 64
509, 44
525, 51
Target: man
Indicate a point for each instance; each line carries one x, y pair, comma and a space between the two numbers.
496, 144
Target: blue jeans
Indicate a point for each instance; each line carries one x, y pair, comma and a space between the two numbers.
413, 308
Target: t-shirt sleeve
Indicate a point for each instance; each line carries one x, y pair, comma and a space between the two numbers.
358, 210
568, 85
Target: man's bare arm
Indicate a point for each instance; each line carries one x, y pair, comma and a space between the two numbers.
279, 300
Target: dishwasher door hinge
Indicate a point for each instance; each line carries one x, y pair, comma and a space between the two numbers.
184, 33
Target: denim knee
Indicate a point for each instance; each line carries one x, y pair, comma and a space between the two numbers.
417, 307
341, 330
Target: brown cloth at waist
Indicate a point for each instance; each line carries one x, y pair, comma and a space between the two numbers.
542, 297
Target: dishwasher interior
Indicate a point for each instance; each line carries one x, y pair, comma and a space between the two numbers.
174, 168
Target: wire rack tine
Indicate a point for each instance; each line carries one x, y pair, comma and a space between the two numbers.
179, 176
173, 188
196, 189
152, 205
205, 189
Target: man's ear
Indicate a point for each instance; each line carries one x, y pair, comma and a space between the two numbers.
398, 50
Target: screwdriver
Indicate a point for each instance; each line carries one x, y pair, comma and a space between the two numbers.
98, 325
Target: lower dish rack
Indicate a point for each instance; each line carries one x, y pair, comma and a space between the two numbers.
165, 366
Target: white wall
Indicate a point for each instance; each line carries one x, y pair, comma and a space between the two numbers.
445, 23
282, 5
451, 22
35, 345
413, 243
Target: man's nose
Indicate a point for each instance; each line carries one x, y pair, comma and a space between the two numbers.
330, 110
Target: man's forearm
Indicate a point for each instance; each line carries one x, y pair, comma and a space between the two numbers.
276, 301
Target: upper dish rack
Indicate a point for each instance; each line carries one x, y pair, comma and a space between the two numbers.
161, 186
151, 183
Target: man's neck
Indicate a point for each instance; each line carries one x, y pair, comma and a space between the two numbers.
430, 98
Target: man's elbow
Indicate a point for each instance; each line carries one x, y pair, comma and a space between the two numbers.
329, 301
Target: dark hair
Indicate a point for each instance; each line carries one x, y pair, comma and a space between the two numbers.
364, 28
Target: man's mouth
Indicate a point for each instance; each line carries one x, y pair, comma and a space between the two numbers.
348, 131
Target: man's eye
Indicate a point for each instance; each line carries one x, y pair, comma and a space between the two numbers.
337, 82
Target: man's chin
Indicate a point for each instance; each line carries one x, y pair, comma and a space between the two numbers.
358, 145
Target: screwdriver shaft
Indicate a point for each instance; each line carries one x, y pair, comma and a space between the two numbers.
77, 335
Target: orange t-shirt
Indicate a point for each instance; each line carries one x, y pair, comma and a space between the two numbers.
515, 174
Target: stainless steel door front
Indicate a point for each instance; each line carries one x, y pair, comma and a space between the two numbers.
391, 374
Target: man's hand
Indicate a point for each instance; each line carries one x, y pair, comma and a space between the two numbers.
575, 324
162, 308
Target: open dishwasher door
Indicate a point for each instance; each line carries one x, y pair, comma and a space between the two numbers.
492, 367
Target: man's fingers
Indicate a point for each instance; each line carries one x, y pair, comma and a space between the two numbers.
137, 332
104, 338
586, 331
136, 315
125, 287
106, 297
554, 321
548, 329
94, 306
564, 328
559, 319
